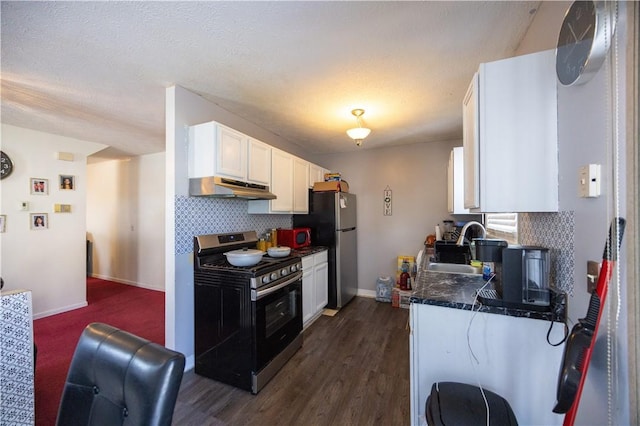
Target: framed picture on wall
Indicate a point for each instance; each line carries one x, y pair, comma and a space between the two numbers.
3, 223
67, 182
39, 221
39, 186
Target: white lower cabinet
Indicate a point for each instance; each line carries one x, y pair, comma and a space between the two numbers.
514, 359
315, 286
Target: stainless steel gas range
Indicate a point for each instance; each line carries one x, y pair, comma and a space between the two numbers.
248, 320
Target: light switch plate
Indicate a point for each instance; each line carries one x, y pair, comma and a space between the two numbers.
62, 208
589, 181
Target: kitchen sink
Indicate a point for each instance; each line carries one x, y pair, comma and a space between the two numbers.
454, 268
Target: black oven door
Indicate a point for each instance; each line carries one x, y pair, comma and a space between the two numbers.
278, 318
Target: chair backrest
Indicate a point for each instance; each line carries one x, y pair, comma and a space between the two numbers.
117, 378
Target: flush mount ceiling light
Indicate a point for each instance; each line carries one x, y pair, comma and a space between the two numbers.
358, 133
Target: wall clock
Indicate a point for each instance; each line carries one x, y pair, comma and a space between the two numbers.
585, 37
6, 165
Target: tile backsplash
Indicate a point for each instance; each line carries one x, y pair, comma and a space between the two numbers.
554, 231
201, 215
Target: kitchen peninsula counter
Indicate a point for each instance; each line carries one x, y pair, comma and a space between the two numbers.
458, 291
508, 350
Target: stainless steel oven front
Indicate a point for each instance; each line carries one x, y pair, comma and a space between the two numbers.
277, 326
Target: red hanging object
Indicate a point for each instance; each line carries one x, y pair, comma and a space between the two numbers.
579, 347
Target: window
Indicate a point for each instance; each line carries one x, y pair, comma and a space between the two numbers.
503, 226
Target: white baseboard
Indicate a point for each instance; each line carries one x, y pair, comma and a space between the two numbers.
190, 362
59, 310
366, 293
128, 282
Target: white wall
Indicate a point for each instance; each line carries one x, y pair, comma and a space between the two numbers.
585, 123
586, 120
125, 220
417, 176
51, 262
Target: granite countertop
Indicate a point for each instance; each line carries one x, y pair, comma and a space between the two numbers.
458, 291
307, 251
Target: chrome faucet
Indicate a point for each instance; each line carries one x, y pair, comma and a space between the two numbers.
466, 226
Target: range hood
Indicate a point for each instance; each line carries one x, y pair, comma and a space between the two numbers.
219, 187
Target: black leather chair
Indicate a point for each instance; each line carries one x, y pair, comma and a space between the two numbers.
117, 378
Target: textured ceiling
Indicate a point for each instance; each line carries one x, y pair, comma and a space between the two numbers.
98, 71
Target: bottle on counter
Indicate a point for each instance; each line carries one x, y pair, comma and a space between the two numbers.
274, 237
487, 270
438, 233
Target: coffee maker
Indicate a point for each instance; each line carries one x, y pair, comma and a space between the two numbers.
525, 276
521, 278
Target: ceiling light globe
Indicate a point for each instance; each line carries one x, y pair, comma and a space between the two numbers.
358, 133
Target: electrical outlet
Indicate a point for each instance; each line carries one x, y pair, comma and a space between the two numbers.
593, 271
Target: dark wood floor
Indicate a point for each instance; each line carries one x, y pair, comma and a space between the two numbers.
353, 369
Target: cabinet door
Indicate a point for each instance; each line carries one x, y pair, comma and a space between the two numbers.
259, 162
316, 174
202, 150
456, 181
308, 290
450, 184
321, 283
470, 140
300, 185
282, 181
308, 296
518, 139
231, 153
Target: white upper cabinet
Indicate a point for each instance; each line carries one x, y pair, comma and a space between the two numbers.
290, 184
316, 174
470, 137
281, 182
455, 179
217, 150
300, 185
510, 136
231, 150
259, 162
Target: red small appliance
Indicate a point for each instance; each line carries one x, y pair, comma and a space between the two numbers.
295, 237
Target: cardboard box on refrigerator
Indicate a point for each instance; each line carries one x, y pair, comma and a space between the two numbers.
331, 186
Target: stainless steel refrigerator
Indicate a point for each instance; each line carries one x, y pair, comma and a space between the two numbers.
332, 219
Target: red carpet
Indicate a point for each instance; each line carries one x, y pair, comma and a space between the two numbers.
136, 310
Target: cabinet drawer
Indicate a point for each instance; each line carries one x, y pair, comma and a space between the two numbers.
321, 257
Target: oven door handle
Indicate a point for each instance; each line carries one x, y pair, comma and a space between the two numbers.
262, 293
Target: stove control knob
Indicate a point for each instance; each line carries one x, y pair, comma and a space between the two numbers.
265, 279
274, 276
284, 272
294, 268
